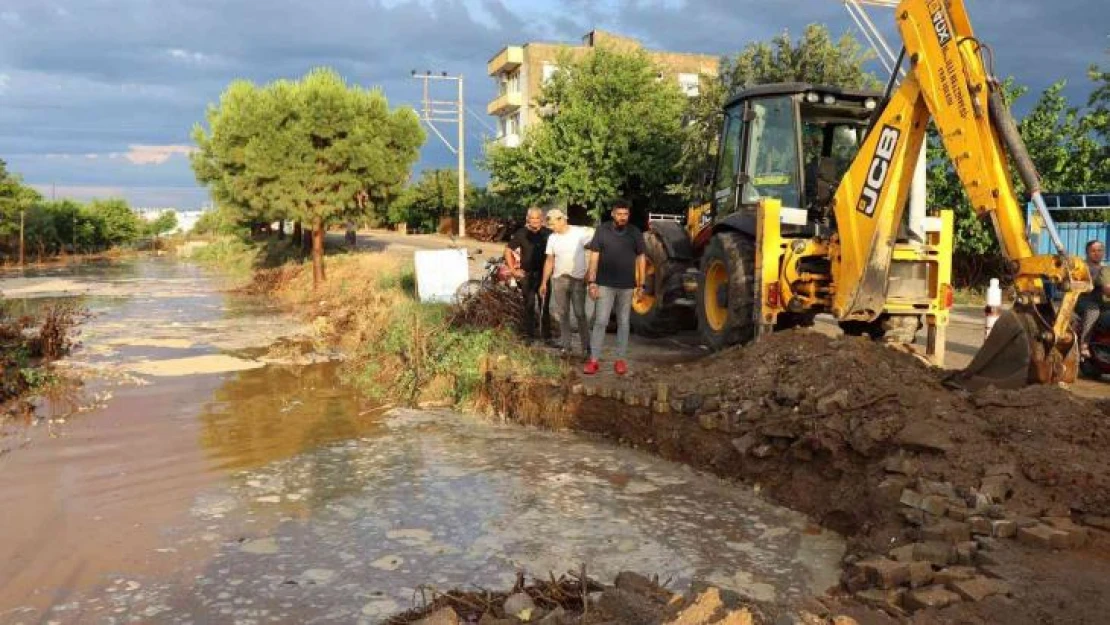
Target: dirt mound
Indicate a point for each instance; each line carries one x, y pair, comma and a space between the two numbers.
852, 404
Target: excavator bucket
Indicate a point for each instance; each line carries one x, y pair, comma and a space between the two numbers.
1014, 356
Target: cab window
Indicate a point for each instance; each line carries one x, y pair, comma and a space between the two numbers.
772, 152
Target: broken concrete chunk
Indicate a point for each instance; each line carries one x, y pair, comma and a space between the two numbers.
930, 597
1077, 534
944, 489
980, 525
959, 513
888, 600
885, 573
954, 574
788, 395
925, 436
938, 553
442, 616
1042, 536
638, 584
946, 530
763, 451
911, 498
1003, 528
626, 607
921, 574
934, 504
902, 464
965, 552
979, 588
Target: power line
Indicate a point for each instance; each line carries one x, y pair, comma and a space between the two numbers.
447, 112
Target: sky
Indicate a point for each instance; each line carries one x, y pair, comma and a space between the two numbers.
98, 97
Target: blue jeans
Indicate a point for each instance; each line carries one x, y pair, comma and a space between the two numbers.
611, 300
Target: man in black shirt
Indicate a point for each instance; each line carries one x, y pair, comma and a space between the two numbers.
525, 254
615, 278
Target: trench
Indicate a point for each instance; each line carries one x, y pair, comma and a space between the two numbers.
201, 481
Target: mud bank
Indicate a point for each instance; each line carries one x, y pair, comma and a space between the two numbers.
985, 507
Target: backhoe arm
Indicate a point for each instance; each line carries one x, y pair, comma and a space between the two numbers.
949, 84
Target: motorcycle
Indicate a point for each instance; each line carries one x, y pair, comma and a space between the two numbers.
495, 274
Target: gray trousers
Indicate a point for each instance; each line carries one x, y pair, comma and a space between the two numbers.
569, 293
611, 300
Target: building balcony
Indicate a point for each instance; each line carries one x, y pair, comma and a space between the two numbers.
509, 58
509, 140
505, 103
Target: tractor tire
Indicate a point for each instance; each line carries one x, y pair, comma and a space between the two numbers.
726, 291
656, 313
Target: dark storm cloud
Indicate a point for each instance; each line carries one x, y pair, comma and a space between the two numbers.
96, 77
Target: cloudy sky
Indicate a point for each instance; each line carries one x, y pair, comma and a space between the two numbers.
97, 97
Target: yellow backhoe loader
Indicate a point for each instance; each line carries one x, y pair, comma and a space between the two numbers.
807, 206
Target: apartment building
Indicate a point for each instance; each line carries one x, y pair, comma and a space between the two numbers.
520, 72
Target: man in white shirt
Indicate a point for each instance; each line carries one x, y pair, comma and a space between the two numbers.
566, 268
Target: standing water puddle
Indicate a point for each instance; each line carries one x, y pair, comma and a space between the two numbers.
274, 494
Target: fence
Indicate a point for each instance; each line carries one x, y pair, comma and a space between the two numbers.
1074, 234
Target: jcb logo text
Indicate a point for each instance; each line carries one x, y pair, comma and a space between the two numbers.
878, 170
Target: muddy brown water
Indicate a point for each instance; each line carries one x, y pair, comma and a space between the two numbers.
243, 491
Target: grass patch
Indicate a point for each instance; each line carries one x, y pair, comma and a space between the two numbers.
402, 350
232, 255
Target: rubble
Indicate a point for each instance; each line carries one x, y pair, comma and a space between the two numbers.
870, 443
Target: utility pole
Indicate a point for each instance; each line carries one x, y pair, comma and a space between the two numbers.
22, 213
448, 112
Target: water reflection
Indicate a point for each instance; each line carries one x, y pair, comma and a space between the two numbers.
269, 414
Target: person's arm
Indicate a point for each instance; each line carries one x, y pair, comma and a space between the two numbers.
510, 258
591, 272
548, 267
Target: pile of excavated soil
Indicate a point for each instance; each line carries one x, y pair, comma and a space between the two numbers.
958, 507
820, 420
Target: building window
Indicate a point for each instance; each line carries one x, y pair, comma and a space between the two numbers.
549, 70
689, 84
508, 83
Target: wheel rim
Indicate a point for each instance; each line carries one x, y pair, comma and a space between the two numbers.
716, 280
647, 300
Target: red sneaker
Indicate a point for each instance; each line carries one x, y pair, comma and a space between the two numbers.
591, 367
620, 367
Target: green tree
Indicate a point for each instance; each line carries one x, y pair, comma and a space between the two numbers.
814, 58
163, 223
435, 194
310, 151
612, 127
118, 224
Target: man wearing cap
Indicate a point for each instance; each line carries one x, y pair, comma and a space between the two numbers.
566, 268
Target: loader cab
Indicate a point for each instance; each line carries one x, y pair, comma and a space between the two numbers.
790, 141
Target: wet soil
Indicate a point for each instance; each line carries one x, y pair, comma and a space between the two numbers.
816, 424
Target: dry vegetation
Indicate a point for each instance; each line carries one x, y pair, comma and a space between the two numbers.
398, 348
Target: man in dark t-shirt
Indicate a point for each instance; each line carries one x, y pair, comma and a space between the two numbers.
525, 254
615, 278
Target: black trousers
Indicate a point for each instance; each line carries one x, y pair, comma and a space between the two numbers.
530, 288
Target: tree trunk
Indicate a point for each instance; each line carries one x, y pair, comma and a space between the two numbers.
318, 275
281, 230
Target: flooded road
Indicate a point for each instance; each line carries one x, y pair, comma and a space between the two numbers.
214, 484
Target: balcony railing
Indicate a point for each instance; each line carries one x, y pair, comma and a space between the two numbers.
506, 103
507, 59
